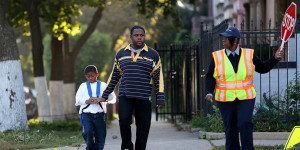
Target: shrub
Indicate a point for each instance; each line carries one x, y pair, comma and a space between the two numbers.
210, 122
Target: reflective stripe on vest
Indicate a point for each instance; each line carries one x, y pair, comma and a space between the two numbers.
231, 85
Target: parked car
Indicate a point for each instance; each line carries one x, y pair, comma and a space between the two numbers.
31, 103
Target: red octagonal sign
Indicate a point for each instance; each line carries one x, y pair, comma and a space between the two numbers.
288, 22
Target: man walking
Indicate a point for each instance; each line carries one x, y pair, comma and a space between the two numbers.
140, 67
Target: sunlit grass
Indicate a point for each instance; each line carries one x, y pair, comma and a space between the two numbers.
43, 135
278, 147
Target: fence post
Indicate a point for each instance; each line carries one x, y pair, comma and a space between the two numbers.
156, 109
188, 77
199, 49
172, 83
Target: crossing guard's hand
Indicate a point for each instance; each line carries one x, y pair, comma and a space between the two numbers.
160, 106
279, 53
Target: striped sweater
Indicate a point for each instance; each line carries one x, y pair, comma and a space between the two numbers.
137, 74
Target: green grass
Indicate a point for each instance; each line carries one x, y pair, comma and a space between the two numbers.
43, 135
279, 147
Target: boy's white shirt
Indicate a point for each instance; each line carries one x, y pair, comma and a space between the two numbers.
82, 95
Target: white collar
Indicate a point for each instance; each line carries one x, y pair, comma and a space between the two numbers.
237, 51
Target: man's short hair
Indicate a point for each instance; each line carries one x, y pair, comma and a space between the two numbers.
136, 27
90, 68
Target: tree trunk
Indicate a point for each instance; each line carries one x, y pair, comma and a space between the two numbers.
38, 66
69, 63
11, 89
69, 84
56, 80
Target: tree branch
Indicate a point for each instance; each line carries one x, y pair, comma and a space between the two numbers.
81, 41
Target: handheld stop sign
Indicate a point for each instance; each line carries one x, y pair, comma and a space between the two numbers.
288, 23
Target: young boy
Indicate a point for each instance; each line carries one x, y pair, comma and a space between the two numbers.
92, 109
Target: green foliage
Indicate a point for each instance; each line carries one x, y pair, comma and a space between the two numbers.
273, 125
296, 146
185, 16
181, 35
262, 50
47, 57
275, 114
60, 15
95, 52
272, 107
17, 15
57, 14
44, 135
270, 117
147, 6
57, 126
26, 63
210, 123
279, 113
5, 145
294, 88
277, 147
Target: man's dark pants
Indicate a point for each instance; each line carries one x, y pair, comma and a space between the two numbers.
237, 116
142, 112
94, 125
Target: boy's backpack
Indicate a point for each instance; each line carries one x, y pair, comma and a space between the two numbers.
88, 85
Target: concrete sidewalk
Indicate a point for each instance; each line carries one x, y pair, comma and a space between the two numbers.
163, 136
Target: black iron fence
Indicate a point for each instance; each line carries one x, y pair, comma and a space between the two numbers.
185, 65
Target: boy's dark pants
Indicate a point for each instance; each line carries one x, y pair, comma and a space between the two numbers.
237, 116
142, 112
94, 125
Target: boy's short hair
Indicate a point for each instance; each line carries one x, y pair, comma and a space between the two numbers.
90, 68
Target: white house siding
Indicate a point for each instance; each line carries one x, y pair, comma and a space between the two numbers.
282, 76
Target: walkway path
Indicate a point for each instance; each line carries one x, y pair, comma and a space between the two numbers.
164, 136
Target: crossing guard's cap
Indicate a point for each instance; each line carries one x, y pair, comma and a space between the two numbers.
231, 32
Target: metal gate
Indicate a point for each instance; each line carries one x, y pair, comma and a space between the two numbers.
184, 67
172, 64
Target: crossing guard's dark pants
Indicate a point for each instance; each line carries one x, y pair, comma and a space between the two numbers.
142, 113
237, 116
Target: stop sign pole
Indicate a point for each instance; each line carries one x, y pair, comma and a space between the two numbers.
288, 23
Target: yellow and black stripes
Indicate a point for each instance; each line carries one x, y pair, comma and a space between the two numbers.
137, 74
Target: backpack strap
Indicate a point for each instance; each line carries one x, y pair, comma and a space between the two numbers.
88, 85
98, 89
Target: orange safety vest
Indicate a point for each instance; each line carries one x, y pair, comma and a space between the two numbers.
231, 85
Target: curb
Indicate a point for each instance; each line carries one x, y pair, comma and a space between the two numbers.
216, 135
256, 135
